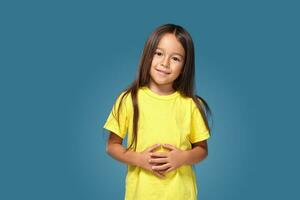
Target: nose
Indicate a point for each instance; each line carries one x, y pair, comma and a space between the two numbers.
165, 62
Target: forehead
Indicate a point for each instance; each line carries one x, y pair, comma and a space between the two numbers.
169, 43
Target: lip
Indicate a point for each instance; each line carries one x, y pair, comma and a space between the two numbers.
161, 71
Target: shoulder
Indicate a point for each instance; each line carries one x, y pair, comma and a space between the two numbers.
124, 96
126, 102
184, 103
122, 99
187, 100
190, 102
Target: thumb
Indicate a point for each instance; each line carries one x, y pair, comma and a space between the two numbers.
153, 147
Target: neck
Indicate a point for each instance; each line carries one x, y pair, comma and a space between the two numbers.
161, 89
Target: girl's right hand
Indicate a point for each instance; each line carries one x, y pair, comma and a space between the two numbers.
144, 158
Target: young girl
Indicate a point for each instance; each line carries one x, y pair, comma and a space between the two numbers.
165, 120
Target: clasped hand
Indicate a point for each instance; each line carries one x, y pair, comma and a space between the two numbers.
162, 162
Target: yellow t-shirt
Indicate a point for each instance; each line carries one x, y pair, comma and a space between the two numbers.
165, 119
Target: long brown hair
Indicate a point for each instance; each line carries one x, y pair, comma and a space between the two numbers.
185, 83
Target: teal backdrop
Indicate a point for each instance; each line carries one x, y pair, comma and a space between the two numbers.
63, 63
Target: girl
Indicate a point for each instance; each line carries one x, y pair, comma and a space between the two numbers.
165, 120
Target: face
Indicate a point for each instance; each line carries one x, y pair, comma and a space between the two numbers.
167, 62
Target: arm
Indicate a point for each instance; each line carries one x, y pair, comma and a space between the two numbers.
198, 153
115, 149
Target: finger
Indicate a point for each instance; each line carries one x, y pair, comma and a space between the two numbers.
161, 171
150, 149
159, 174
159, 154
165, 171
169, 146
161, 167
168, 170
158, 160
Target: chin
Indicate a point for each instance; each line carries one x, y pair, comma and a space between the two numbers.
160, 82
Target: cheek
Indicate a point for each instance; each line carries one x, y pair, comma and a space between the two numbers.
155, 61
178, 68
152, 71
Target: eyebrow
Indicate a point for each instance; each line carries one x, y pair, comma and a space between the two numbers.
174, 53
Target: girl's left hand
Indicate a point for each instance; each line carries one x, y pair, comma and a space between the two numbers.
167, 161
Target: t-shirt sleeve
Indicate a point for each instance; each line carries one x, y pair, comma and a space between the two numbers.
112, 124
199, 131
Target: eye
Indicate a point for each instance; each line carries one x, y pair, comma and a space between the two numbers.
176, 59
158, 53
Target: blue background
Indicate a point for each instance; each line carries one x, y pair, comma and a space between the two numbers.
64, 62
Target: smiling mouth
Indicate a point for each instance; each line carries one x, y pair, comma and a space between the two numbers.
162, 72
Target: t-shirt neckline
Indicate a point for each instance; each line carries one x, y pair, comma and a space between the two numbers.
158, 96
